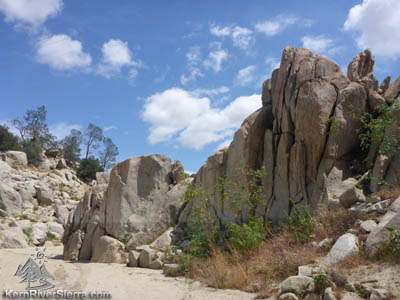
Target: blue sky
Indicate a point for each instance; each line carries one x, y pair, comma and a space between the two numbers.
172, 77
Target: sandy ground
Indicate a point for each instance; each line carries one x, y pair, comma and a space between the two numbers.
121, 281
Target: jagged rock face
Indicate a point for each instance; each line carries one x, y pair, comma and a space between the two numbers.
303, 131
138, 201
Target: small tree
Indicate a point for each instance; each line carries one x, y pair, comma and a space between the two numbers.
88, 169
33, 127
93, 135
8, 141
72, 145
34, 133
109, 154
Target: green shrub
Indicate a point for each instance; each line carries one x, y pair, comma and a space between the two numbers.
202, 233
123, 240
247, 236
391, 251
375, 128
8, 141
33, 152
50, 236
88, 169
322, 281
301, 223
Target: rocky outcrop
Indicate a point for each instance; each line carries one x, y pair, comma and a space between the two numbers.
136, 203
15, 159
380, 236
303, 136
34, 204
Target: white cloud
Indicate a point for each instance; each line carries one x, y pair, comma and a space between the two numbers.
377, 24
193, 75
178, 115
224, 144
215, 59
62, 53
246, 75
316, 43
193, 57
272, 63
320, 44
62, 129
276, 25
116, 55
210, 92
220, 31
30, 12
242, 37
108, 128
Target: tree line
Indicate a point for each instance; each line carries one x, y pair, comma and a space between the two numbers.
100, 152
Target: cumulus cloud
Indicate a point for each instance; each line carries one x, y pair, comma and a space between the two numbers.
62, 53
278, 24
178, 115
376, 24
246, 75
62, 129
116, 55
193, 57
215, 59
30, 12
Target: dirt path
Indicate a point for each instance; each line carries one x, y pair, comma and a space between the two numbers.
121, 281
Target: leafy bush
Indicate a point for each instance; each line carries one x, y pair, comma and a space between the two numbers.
375, 128
391, 251
88, 169
201, 233
248, 236
301, 223
8, 141
322, 281
33, 152
50, 236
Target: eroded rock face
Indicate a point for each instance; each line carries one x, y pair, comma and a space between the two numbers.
304, 136
136, 203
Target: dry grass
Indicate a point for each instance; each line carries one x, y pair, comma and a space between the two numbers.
388, 192
278, 258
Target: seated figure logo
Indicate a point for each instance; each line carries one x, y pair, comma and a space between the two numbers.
34, 271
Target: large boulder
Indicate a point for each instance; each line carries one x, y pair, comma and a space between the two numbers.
12, 237
109, 250
44, 195
299, 285
136, 203
346, 246
10, 200
380, 236
141, 201
16, 159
